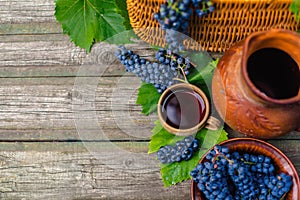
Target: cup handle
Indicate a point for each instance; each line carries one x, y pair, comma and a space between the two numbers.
213, 123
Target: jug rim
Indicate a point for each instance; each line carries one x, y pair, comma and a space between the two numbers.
266, 35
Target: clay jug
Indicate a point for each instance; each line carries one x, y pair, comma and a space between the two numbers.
256, 86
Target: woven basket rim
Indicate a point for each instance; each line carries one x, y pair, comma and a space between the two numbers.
231, 22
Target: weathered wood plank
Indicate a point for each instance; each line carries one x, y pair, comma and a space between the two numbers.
25, 38
48, 107
41, 53
14, 11
30, 28
51, 170
295, 135
38, 71
30, 71
45, 54
68, 170
28, 17
28, 105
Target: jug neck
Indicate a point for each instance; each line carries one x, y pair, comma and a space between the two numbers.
276, 40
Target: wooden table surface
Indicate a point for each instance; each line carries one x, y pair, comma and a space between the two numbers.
52, 145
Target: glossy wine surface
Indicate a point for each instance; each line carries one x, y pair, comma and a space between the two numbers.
183, 108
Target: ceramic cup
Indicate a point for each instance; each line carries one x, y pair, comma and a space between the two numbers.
183, 109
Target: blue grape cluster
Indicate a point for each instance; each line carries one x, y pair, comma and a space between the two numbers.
175, 61
236, 176
203, 7
161, 74
183, 150
174, 17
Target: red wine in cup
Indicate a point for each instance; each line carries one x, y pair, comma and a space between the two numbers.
183, 108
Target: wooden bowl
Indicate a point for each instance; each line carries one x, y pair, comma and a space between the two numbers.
255, 146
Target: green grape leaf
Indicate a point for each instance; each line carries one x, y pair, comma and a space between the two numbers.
180, 171
295, 8
202, 75
122, 10
199, 59
161, 137
88, 21
148, 98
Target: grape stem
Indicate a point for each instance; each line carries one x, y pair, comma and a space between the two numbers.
283, 196
180, 80
222, 155
230, 161
174, 6
218, 154
247, 162
184, 76
182, 71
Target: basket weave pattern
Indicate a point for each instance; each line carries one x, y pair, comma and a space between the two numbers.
231, 22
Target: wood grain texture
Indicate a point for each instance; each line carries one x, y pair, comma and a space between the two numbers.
45, 52
55, 170
69, 171
69, 125
48, 103
49, 106
26, 11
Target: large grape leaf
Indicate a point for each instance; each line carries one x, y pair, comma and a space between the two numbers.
295, 8
202, 75
148, 98
161, 137
89, 21
122, 10
180, 171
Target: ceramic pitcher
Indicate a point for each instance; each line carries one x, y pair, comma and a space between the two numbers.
256, 86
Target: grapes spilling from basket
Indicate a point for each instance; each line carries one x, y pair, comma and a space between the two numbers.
237, 176
166, 71
174, 17
183, 150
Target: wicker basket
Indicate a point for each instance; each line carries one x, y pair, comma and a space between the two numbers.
231, 22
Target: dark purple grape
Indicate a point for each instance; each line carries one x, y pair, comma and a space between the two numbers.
160, 74
183, 150
174, 18
239, 176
